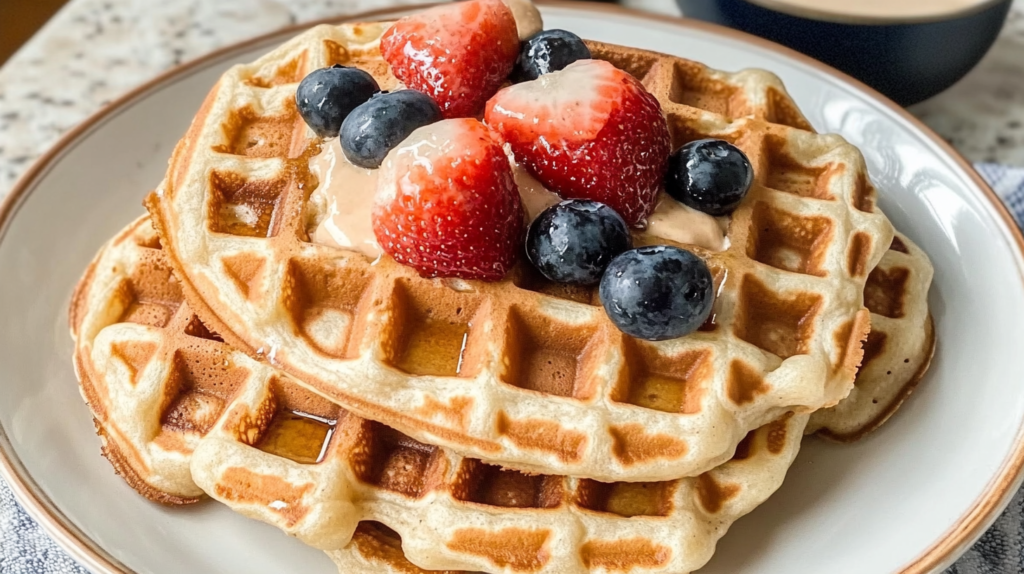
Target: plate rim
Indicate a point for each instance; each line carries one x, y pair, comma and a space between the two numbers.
964, 532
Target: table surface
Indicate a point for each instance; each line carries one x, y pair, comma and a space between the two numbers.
93, 51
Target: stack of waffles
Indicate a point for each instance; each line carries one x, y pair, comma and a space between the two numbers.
404, 424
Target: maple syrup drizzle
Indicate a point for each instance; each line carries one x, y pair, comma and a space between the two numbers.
298, 436
437, 349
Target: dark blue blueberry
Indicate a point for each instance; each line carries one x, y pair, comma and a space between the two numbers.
376, 127
712, 176
326, 96
548, 51
573, 241
657, 293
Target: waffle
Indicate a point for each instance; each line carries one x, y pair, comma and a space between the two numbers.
181, 413
124, 293
523, 373
898, 350
376, 549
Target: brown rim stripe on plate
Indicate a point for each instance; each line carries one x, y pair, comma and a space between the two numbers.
965, 531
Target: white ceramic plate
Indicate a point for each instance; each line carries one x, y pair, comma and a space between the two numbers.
908, 498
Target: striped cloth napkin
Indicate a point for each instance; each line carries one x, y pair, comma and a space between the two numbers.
26, 549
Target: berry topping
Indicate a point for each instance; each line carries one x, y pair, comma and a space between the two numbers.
657, 293
326, 96
546, 52
712, 176
377, 126
573, 241
590, 131
459, 54
447, 204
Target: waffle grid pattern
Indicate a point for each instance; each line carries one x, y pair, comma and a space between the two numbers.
531, 376
898, 349
175, 405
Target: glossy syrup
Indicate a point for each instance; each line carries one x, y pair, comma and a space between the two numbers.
298, 436
437, 348
661, 393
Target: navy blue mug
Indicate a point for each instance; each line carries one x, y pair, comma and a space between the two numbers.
908, 61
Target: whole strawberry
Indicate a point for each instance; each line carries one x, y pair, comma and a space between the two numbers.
590, 131
460, 54
447, 204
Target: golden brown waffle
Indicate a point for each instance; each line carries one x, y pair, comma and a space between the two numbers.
376, 549
898, 350
126, 292
172, 400
521, 373
123, 309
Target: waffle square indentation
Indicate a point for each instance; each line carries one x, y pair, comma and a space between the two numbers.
691, 86
251, 134
779, 324
202, 382
435, 331
787, 241
483, 483
550, 357
782, 110
302, 425
152, 295
886, 290
240, 206
626, 499
390, 460
672, 384
785, 173
326, 305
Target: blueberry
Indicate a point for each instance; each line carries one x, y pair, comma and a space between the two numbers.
548, 51
657, 293
712, 176
376, 127
326, 96
573, 241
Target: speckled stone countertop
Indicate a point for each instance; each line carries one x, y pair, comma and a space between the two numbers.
96, 50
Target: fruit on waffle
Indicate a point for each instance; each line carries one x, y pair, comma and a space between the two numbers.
520, 371
898, 349
174, 403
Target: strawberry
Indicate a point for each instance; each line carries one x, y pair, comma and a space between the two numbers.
590, 131
460, 54
447, 204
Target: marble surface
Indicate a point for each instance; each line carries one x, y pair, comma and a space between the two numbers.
93, 51
96, 50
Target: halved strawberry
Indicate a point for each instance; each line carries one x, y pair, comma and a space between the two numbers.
459, 54
447, 203
590, 131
